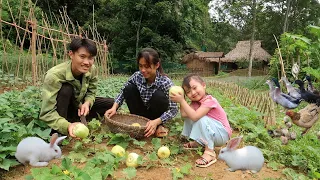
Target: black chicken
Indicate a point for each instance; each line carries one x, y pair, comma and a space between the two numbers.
306, 95
310, 86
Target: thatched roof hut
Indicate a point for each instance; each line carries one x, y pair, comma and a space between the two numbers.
241, 52
203, 63
203, 56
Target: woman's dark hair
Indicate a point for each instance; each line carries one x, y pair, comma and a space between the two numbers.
77, 43
151, 56
187, 79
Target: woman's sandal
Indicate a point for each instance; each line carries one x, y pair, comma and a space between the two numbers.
206, 162
161, 131
191, 145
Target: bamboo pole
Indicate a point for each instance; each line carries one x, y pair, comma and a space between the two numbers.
105, 51
33, 51
281, 60
1, 36
51, 40
273, 113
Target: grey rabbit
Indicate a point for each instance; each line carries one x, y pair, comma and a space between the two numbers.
37, 152
246, 158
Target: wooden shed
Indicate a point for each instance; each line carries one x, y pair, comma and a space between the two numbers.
241, 53
203, 63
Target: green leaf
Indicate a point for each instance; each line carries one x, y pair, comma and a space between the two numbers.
176, 174
44, 134
174, 149
56, 170
9, 148
30, 126
186, 169
66, 163
98, 138
94, 173
130, 172
139, 143
36, 172
106, 171
78, 146
28, 177
274, 165
77, 157
83, 175
317, 175
94, 124
153, 156
156, 142
10, 114
7, 163
120, 139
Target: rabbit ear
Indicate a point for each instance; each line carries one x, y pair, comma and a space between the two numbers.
53, 139
60, 139
234, 143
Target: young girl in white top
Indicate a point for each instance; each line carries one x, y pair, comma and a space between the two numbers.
205, 120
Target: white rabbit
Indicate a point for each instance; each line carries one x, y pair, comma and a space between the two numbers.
37, 152
246, 158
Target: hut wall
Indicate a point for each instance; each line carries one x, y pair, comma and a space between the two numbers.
200, 67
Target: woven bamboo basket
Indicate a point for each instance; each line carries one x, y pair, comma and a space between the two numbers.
122, 123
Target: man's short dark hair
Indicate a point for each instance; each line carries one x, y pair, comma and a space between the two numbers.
77, 43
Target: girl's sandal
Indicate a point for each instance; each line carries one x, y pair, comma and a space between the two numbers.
191, 146
207, 163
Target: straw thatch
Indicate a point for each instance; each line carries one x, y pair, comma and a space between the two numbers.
203, 56
241, 52
203, 63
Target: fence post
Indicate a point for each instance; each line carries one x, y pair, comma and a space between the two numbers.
105, 59
34, 51
273, 113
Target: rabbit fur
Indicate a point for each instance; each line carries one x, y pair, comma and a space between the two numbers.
246, 158
37, 152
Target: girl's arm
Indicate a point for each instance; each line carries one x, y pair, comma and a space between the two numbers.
182, 112
194, 115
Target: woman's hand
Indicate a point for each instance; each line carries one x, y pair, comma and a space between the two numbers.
152, 127
176, 97
84, 109
110, 112
70, 129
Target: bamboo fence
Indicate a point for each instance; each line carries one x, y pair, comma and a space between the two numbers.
260, 102
47, 45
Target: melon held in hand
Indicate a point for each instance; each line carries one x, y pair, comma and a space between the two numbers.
176, 90
81, 131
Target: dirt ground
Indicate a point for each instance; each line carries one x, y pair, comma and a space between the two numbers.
163, 172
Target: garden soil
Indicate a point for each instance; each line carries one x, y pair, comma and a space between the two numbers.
161, 172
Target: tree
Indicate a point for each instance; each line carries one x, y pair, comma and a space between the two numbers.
253, 9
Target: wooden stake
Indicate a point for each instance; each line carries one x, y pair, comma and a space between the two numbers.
34, 51
281, 60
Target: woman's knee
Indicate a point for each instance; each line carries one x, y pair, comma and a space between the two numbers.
130, 88
158, 104
159, 97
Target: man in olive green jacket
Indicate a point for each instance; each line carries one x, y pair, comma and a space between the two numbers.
69, 89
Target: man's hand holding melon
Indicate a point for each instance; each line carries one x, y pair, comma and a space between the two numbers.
78, 130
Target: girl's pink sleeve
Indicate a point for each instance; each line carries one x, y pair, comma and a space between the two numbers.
209, 101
